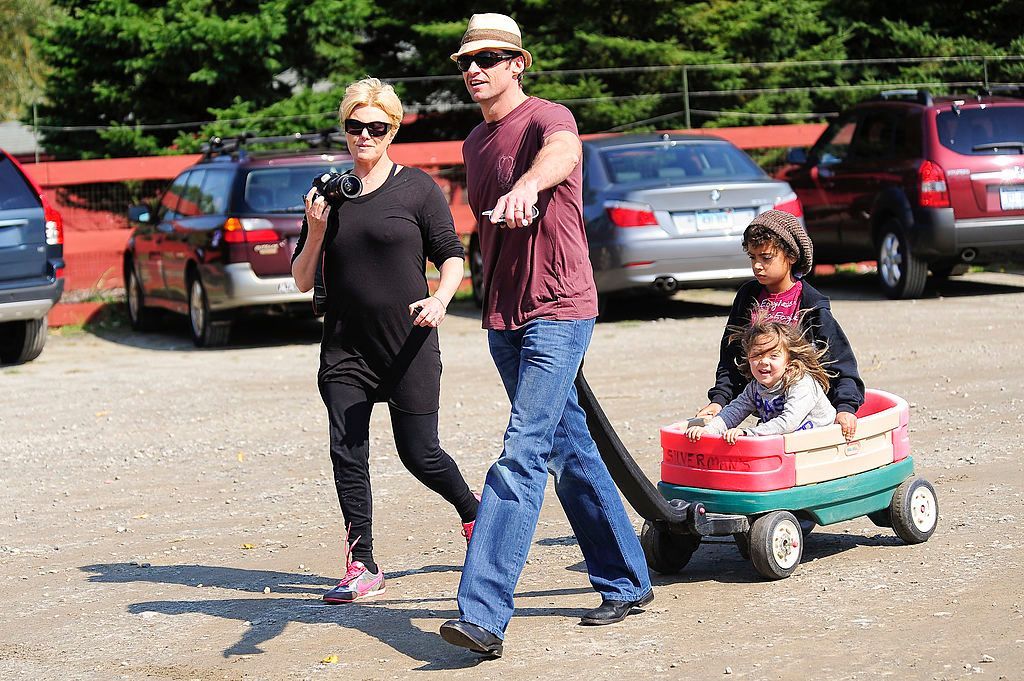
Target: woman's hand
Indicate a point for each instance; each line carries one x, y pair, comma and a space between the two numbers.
429, 311
317, 211
848, 422
731, 435
710, 411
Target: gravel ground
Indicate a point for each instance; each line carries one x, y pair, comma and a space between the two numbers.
168, 513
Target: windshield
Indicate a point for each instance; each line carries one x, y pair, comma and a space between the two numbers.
280, 189
978, 131
678, 163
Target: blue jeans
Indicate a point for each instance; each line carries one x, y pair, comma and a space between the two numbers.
547, 431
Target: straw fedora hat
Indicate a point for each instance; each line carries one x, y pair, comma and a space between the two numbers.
496, 31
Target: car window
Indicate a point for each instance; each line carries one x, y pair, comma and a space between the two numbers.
191, 195
168, 209
280, 190
15, 192
216, 190
834, 145
977, 126
873, 136
683, 162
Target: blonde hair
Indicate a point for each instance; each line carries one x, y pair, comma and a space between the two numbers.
372, 92
805, 358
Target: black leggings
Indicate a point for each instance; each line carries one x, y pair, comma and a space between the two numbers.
348, 409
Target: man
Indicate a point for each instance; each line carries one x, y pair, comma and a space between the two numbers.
540, 303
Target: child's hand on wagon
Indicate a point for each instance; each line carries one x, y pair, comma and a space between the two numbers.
848, 422
694, 433
731, 435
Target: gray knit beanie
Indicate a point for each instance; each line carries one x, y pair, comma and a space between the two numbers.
789, 231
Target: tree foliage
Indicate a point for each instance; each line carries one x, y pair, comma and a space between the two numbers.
22, 71
279, 66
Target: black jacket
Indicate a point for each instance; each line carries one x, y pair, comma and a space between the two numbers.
846, 390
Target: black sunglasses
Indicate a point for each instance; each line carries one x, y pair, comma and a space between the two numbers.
376, 128
484, 60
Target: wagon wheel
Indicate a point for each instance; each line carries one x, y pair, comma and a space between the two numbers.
666, 553
914, 510
776, 544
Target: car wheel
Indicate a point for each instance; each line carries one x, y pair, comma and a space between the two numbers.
914, 511
776, 544
900, 272
206, 332
22, 341
140, 317
666, 553
476, 270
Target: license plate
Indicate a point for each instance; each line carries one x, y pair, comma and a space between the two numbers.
727, 219
1011, 198
287, 287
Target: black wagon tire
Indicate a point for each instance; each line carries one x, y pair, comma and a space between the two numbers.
22, 340
476, 270
206, 331
914, 510
900, 272
776, 544
666, 553
140, 317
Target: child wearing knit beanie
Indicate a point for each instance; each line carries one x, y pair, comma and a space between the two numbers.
781, 254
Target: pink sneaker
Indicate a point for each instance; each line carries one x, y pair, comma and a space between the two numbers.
358, 582
467, 528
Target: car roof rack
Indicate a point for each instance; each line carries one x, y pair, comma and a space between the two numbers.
234, 148
911, 94
1002, 90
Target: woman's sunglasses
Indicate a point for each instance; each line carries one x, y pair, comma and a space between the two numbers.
376, 128
484, 60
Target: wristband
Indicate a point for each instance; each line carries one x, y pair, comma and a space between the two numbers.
440, 301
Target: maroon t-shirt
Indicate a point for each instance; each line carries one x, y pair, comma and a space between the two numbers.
541, 271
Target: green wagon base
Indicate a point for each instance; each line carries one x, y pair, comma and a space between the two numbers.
825, 502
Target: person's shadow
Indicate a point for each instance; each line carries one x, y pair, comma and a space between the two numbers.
268, 615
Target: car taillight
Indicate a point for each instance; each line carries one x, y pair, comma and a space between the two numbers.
250, 231
623, 214
934, 193
54, 225
791, 204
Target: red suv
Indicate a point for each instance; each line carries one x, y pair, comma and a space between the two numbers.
219, 242
916, 183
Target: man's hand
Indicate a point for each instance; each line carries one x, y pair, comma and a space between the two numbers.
516, 207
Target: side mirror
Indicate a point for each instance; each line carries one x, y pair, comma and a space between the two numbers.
796, 156
139, 213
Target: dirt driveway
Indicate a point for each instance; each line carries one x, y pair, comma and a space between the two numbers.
168, 513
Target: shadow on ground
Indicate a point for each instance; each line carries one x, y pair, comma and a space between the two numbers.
296, 598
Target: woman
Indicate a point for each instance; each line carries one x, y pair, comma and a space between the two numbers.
380, 339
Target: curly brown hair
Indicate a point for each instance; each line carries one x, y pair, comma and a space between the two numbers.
805, 358
756, 236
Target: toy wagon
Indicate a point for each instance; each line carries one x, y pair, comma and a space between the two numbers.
768, 492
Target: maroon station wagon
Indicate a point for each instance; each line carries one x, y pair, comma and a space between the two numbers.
219, 242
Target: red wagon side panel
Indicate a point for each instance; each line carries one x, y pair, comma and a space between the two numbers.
751, 465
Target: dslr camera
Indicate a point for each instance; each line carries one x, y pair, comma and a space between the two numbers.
337, 187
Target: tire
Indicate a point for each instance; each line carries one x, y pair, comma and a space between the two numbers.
666, 553
206, 331
140, 317
881, 518
21, 341
776, 544
900, 272
914, 510
476, 270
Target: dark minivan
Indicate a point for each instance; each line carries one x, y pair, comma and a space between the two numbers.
31, 263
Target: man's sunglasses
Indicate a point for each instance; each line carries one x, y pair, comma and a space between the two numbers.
484, 60
376, 128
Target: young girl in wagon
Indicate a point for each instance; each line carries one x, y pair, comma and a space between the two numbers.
789, 387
